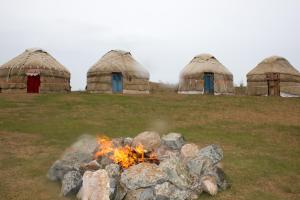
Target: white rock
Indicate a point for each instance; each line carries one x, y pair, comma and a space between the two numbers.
149, 139
95, 186
188, 151
209, 185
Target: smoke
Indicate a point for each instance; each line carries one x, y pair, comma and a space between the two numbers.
161, 126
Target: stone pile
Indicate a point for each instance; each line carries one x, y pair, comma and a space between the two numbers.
184, 171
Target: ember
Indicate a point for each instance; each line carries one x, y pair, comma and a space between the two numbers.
126, 155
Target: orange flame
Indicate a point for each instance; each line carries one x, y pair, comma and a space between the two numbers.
125, 156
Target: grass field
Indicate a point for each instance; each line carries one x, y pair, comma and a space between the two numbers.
260, 136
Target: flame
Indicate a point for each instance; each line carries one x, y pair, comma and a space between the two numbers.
125, 156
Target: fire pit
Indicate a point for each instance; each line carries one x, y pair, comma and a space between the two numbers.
142, 168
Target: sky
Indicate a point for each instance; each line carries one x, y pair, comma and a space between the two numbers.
163, 35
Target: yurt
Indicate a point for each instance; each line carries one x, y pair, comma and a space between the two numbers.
34, 71
118, 72
205, 75
274, 76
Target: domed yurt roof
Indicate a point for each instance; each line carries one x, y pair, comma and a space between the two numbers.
204, 63
274, 64
119, 61
35, 58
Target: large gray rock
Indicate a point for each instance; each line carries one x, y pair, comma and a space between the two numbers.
167, 191
173, 140
71, 183
163, 152
214, 152
95, 186
176, 172
104, 161
200, 166
150, 140
220, 178
142, 175
120, 192
140, 194
91, 166
80, 152
113, 171
188, 151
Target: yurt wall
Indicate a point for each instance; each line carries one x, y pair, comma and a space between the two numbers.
222, 84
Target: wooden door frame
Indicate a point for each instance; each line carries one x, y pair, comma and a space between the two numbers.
275, 79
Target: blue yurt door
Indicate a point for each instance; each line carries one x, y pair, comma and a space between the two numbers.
117, 82
208, 83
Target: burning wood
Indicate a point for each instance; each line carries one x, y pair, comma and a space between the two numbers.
125, 156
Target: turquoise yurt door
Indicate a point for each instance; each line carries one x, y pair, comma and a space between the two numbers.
209, 83
117, 82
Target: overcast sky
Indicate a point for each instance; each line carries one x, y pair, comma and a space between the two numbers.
163, 35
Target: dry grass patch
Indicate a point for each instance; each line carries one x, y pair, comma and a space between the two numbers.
24, 161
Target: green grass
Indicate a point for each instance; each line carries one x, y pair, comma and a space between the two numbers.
260, 136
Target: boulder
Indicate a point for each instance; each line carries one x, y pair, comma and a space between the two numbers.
163, 152
176, 172
220, 178
168, 191
91, 166
173, 140
128, 141
71, 183
113, 170
95, 186
200, 166
120, 192
79, 153
59, 168
150, 140
142, 175
141, 194
188, 151
104, 161
214, 152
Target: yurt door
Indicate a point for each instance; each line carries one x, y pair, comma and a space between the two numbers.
117, 82
273, 84
208, 83
33, 84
